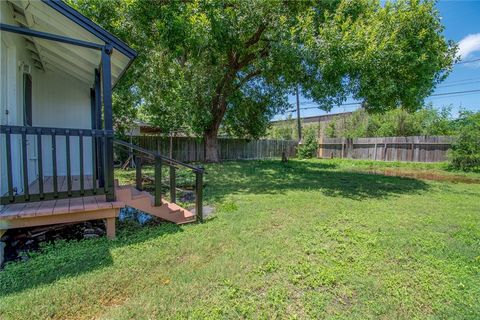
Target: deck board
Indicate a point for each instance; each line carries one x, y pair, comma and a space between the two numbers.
76, 204
47, 184
61, 206
90, 203
34, 188
62, 183
47, 209
88, 182
30, 209
56, 207
75, 182
13, 210
102, 202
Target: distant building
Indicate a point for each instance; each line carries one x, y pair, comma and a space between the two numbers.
141, 128
322, 121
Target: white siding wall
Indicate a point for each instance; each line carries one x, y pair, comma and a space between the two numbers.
59, 100
15, 50
63, 102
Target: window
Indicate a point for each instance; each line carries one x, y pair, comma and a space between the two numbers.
27, 99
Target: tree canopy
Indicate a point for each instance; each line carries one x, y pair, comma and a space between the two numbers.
394, 123
465, 152
427, 121
205, 65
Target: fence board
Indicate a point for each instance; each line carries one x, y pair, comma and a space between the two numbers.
187, 149
416, 148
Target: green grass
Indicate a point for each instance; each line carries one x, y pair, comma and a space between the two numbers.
306, 239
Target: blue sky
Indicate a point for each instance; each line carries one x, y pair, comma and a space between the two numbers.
461, 19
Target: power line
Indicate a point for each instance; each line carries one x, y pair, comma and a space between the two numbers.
458, 84
451, 96
343, 104
452, 93
461, 80
467, 61
316, 107
355, 104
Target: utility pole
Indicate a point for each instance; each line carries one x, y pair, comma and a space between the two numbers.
299, 124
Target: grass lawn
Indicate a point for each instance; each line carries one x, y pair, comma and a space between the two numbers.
307, 239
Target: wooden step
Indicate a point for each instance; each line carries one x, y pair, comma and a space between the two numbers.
144, 201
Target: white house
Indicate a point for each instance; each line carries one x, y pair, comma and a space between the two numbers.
58, 69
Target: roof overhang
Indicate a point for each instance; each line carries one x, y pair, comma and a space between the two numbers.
56, 17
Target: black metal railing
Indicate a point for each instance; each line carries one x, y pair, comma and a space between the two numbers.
140, 155
101, 170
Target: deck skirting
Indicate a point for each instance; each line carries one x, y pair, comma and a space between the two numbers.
34, 221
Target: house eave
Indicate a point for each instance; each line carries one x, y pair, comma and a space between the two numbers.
92, 27
96, 30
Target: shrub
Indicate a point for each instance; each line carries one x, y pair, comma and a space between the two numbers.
392, 123
465, 152
308, 149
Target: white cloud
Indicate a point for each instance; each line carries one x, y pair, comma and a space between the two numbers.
468, 45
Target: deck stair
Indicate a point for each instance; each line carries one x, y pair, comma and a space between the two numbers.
144, 201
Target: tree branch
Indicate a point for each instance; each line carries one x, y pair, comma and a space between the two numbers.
256, 36
225, 86
252, 55
248, 77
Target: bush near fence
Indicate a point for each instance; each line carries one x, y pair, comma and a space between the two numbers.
413, 149
188, 149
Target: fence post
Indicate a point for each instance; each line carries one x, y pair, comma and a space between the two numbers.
138, 172
158, 181
199, 194
343, 147
173, 185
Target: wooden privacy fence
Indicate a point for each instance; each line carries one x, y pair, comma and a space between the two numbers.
187, 149
414, 149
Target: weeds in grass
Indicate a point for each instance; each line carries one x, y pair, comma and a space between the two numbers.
306, 239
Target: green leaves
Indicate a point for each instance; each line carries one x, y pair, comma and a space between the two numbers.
387, 56
309, 146
465, 153
208, 64
394, 123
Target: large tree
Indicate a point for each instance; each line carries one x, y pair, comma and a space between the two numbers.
210, 65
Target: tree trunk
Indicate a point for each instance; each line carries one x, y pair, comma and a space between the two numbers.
211, 146
211, 141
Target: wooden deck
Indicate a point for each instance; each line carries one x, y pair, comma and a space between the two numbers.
55, 207
61, 183
76, 209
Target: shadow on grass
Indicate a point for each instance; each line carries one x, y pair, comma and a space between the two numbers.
68, 259
274, 177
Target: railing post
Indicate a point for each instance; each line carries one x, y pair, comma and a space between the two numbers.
105, 165
8, 144
99, 126
138, 172
54, 163
40, 162
173, 185
108, 121
69, 166
199, 194
82, 170
25, 164
158, 181
94, 161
